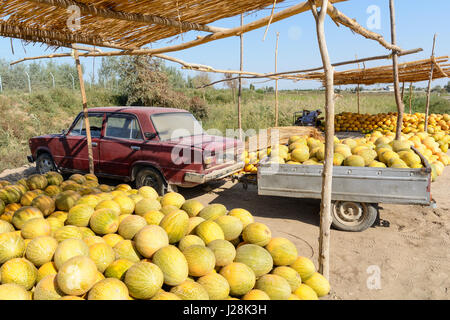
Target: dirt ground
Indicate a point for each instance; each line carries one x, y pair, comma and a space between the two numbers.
411, 255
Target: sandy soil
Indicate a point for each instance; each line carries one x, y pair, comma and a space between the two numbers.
412, 253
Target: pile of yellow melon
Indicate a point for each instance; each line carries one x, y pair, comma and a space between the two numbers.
374, 150
81, 240
386, 122
251, 160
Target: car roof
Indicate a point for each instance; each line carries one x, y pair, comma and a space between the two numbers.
136, 110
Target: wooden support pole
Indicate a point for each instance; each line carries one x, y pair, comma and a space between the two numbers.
410, 97
357, 90
327, 174
240, 81
276, 81
398, 100
427, 107
85, 112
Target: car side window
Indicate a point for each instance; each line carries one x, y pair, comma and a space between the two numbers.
124, 127
95, 124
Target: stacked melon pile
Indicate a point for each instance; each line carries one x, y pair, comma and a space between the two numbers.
375, 150
386, 122
76, 239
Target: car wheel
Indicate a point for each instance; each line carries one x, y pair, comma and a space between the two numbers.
44, 163
152, 178
353, 216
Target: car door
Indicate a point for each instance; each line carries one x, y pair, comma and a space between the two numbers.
121, 144
73, 154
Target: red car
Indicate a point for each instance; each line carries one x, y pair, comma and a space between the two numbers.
158, 147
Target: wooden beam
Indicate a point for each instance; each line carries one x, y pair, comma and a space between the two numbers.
240, 80
85, 112
410, 97
276, 81
427, 107
128, 16
327, 174
341, 18
398, 100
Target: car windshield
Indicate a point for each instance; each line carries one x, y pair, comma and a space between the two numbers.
176, 125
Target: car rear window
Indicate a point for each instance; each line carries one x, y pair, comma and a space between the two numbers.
176, 125
123, 126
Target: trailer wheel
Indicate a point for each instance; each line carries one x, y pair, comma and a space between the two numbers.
353, 216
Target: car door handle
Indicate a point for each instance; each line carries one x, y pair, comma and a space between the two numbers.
135, 148
94, 144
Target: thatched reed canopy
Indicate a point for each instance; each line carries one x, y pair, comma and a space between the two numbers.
120, 23
414, 71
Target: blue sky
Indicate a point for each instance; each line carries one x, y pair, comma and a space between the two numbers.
417, 22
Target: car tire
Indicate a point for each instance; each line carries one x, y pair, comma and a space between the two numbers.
45, 163
152, 178
353, 216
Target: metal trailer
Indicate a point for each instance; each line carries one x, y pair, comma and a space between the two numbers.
356, 191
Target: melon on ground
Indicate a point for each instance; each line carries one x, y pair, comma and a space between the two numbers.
90, 200
44, 203
200, 259
23, 215
173, 199
45, 270
146, 205
282, 250
168, 209
319, 284
213, 211
150, 239
126, 204
12, 291
190, 290
216, 286
109, 289
66, 200
148, 192
109, 204
68, 249
224, 252
118, 268
91, 240
173, 264
291, 276
164, 295
53, 191
104, 221
67, 232
77, 275
102, 255
257, 233
54, 178
6, 227
240, 278
243, 215
37, 181
40, 250
256, 294
304, 292
35, 227
176, 225
27, 198
131, 225
153, 217
19, 271
79, 215
12, 246
48, 289
126, 249
144, 280
256, 257
190, 240
231, 226
276, 287
304, 266
112, 239
193, 223
209, 231
192, 207
86, 232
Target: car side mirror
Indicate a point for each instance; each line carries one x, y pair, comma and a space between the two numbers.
150, 135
